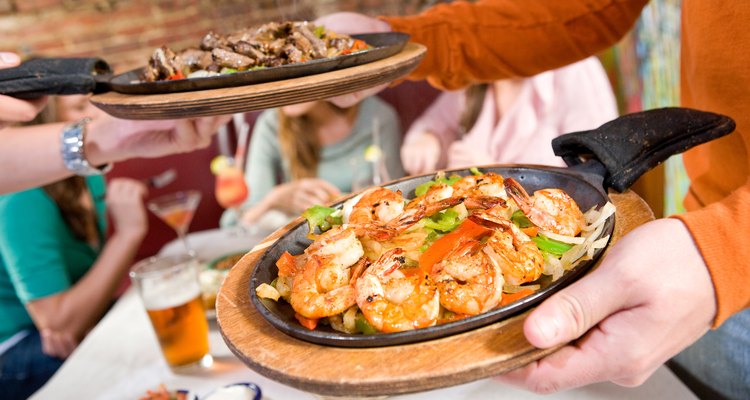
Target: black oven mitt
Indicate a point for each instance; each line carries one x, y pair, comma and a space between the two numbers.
631, 145
43, 76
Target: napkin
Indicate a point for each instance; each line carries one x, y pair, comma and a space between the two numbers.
631, 145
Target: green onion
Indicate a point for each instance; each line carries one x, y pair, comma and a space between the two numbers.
475, 171
551, 246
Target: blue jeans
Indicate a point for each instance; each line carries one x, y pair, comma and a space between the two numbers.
24, 368
720, 360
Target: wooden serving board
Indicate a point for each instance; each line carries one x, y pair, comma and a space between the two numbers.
381, 371
263, 95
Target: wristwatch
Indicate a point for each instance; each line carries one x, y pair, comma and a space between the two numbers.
72, 150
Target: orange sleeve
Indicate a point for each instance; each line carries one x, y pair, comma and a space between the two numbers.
720, 231
495, 39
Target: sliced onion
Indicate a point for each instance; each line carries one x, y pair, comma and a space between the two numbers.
562, 238
266, 291
606, 211
350, 318
553, 267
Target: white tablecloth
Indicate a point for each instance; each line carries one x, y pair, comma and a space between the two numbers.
120, 359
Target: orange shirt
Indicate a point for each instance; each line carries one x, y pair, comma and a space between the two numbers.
495, 39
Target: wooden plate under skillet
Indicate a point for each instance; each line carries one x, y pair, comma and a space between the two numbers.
260, 96
381, 371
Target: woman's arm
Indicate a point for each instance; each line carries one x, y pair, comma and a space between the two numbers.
64, 318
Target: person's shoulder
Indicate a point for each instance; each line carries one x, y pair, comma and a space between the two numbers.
27, 205
268, 118
376, 105
26, 198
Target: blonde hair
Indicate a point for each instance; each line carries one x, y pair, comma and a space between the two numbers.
299, 142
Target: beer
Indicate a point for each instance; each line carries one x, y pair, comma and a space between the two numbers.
171, 295
182, 331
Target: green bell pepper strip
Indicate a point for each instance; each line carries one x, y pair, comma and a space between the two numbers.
551, 246
520, 219
321, 217
363, 326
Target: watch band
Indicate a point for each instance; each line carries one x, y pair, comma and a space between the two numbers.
72, 140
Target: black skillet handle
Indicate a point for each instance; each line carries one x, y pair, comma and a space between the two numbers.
631, 145
43, 76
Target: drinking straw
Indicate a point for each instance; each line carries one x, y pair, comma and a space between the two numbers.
243, 130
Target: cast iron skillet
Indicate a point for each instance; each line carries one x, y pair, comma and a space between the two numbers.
617, 153
92, 75
384, 45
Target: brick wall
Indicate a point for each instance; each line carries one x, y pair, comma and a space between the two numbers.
125, 32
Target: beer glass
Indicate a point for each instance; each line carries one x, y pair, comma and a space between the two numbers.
171, 293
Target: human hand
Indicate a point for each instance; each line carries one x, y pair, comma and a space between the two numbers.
297, 196
420, 154
57, 344
352, 23
651, 297
111, 139
125, 205
462, 155
14, 110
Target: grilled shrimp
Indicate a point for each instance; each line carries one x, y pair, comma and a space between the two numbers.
394, 299
324, 285
377, 205
517, 255
477, 186
550, 209
468, 280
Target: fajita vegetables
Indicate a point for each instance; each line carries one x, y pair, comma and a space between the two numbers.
461, 247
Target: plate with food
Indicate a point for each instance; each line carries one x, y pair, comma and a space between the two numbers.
212, 276
388, 57
266, 336
270, 52
431, 256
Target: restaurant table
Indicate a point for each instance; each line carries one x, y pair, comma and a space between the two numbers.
120, 358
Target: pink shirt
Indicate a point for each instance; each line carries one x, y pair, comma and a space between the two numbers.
573, 98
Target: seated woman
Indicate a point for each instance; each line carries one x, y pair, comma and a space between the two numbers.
311, 153
509, 121
57, 272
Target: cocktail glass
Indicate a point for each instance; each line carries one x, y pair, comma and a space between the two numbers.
177, 210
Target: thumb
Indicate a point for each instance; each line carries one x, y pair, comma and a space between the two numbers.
570, 313
8, 60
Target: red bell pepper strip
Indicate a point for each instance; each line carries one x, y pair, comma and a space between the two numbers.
468, 230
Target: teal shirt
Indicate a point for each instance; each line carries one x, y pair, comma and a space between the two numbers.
339, 163
39, 256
